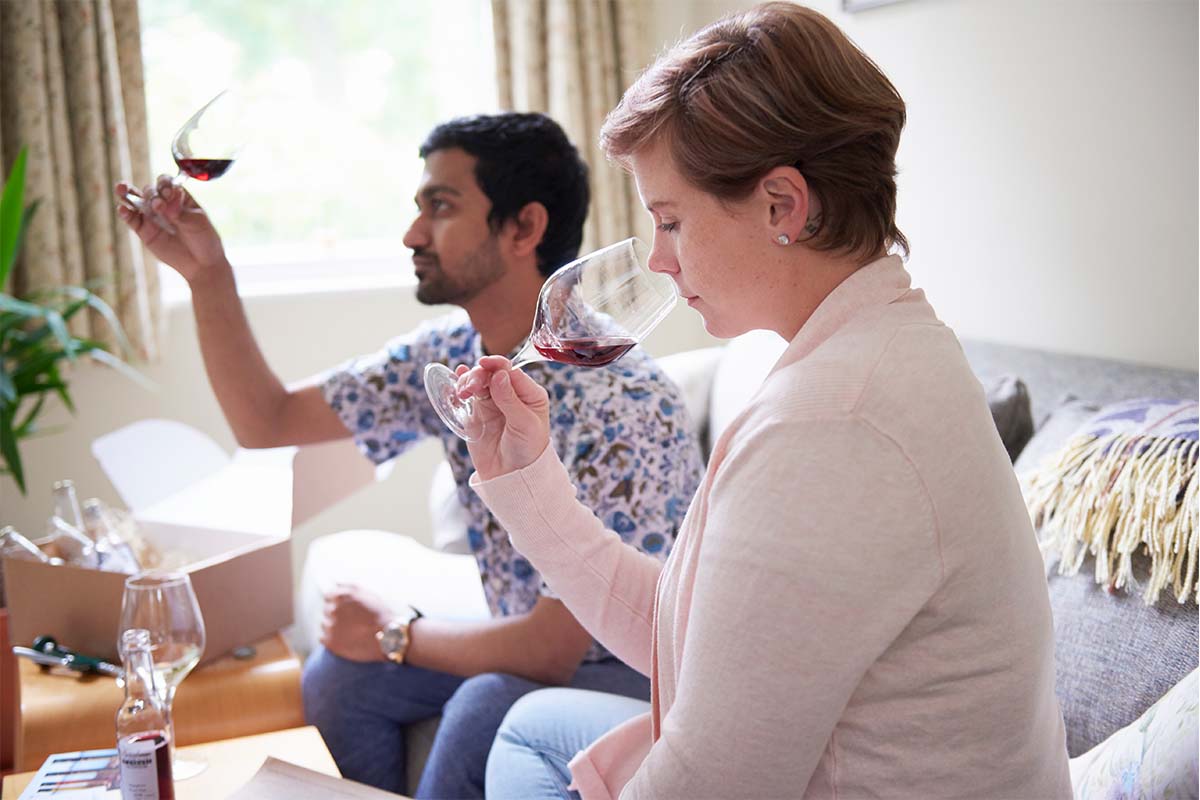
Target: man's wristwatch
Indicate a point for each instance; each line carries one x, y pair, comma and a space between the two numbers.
394, 638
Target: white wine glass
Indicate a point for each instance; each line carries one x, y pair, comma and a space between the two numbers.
589, 313
164, 604
204, 149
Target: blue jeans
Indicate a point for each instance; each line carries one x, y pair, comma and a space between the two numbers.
542, 732
361, 710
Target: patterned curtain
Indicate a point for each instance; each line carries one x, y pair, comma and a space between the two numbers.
71, 91
572, 59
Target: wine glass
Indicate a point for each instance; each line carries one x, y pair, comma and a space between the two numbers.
589, 313
164, 604
204, 149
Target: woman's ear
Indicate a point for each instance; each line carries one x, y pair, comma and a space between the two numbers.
528, 228
789, 203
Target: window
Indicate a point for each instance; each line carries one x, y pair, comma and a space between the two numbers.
339, 95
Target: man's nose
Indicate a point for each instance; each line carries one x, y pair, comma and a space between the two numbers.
417, 235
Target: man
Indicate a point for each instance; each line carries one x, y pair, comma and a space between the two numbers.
500, 206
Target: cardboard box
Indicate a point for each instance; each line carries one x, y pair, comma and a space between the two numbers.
233, 516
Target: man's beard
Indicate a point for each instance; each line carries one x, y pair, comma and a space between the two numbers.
479, 270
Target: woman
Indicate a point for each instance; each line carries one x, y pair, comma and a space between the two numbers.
855, 606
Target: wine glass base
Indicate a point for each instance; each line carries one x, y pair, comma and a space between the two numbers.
456, 413
184, 768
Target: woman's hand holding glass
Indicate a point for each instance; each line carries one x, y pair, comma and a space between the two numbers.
512, 419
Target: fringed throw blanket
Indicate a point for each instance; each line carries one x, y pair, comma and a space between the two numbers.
1125, 482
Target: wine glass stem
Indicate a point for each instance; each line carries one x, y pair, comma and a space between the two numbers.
168, 709
528, 354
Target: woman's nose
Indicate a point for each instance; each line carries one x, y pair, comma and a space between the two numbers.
661, 259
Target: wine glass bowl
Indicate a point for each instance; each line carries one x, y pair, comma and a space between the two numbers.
590, 312
209, 142
204, 149
164, 604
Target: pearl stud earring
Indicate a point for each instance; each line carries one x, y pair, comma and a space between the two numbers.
783, 239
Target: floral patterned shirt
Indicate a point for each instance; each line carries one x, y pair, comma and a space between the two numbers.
621, 430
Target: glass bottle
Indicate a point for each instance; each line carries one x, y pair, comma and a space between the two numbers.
68, 542
143, 727
66, 504
14, 545
115, 554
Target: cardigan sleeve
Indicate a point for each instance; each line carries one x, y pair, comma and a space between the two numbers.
608, 585
820, 547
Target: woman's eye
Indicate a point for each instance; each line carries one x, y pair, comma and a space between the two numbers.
668, 227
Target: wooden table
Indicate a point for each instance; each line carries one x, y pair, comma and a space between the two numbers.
231, 763
61, 711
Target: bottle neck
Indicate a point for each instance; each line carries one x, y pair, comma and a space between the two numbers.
139, 674
66, 506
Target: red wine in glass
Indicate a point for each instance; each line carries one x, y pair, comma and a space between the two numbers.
586, 352
204, 169
589, 313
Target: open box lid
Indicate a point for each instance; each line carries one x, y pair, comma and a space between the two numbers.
169, 472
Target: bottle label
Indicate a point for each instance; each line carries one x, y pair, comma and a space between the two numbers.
139, 768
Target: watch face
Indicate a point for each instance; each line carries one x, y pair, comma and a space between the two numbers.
391, 640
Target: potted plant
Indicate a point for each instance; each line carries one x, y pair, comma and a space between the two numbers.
35, 343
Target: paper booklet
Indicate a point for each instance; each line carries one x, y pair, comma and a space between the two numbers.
82, 775
280, 780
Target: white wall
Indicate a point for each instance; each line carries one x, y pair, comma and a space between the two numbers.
1049, 167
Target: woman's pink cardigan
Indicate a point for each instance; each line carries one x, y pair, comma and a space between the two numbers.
855, 606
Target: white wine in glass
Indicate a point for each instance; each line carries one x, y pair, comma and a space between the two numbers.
589, 313
164, 604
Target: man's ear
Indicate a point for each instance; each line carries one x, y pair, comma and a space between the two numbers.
528, 228
789, 203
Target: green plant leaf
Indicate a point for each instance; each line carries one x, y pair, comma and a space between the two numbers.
8, 449
11, 215
12, 305
105, 310
8, 392
108, 359
25, 428
58, 327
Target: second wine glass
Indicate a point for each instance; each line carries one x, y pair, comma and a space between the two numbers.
164, 604
590, 312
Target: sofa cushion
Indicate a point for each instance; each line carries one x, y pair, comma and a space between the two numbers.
1114, 655
1008, 400
1154, 757
1123, 483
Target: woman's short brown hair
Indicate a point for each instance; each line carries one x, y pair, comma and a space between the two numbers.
776, 85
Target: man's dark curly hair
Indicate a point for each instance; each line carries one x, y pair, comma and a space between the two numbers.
522, 159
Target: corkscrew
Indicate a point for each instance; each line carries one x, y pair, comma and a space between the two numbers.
47, 652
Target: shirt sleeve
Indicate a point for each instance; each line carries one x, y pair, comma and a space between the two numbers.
381, 398
819, 548
608, 585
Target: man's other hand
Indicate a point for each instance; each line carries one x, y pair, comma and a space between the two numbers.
352, 617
